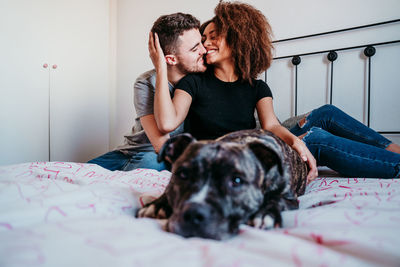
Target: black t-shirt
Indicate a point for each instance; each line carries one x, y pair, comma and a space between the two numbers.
220, 107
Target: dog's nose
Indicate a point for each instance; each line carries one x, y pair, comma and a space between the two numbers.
195, 214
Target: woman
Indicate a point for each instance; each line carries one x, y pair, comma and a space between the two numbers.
238, 47
224, 98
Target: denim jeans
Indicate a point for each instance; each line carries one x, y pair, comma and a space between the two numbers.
346, 145
116, 160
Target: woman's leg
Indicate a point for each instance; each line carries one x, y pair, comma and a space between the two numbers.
351, 158
337, 122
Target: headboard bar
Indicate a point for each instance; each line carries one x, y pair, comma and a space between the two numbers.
336, 31
339, 49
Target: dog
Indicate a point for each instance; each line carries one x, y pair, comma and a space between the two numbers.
245, 177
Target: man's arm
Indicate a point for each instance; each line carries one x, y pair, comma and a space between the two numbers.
156, 137
144, 102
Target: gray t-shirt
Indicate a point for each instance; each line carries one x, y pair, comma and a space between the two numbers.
144, 90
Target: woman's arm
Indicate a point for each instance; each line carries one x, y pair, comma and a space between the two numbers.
156, 137
169, 113
269, 122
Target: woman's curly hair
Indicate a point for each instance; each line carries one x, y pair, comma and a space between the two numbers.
248, 34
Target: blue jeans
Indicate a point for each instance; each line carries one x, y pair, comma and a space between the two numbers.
346, 145
116, 160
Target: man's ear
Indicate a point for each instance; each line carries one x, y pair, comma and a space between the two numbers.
171, 60
174, 147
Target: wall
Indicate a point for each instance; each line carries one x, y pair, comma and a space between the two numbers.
288, 18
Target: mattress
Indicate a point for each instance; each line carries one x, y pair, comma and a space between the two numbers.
72, 214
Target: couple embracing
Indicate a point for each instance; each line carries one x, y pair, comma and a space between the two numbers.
205, 83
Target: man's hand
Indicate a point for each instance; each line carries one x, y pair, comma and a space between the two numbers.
156, 53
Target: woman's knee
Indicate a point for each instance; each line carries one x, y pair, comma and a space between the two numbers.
327, 110
319, 116
316, 135
324, 115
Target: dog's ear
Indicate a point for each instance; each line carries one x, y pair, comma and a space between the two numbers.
174, 147
272, 163
268, 157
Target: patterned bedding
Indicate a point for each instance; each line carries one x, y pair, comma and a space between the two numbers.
71, 214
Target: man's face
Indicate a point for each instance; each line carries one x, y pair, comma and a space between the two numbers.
190, 52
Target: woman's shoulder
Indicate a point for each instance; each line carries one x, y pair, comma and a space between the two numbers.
258, 83
262, 87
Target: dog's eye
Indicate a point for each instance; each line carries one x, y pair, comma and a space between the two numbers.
236, 182
182, 174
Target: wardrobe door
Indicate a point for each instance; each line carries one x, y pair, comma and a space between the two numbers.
24, 82
54, 83
79, 79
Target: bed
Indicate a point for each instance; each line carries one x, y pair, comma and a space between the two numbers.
72, 214
75, 214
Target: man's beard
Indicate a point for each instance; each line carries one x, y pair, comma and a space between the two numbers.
186, 69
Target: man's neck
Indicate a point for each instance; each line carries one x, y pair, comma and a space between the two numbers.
174, 75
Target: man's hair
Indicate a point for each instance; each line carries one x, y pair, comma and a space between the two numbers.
170, 27
248, 34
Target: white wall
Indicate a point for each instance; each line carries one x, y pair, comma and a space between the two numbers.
288, 18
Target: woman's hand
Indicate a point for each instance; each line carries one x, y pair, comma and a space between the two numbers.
306, 155
156, 53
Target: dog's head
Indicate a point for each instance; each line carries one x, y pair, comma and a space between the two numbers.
217, 185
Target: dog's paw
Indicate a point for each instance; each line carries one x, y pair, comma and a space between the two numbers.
157, 209
265, 223
266, 219
151, 211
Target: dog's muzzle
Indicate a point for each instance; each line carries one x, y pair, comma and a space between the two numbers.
191, 220
198, 220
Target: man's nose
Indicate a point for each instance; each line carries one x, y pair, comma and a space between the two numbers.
202, 50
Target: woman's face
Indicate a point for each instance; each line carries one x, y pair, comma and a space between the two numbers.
217, 49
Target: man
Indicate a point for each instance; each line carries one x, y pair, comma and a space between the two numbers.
180, 41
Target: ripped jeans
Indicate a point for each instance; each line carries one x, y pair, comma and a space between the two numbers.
347, 146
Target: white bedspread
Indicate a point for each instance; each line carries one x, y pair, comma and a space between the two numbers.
70, 214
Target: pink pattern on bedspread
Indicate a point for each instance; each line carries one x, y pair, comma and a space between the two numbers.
60, 213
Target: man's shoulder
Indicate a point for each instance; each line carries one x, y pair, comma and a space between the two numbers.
147, 76
146, 82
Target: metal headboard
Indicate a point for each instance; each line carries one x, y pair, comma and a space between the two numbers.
332, 55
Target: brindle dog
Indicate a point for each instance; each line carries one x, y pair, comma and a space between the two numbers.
247, 176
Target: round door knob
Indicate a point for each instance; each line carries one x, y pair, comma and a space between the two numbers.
45, 65
54, 66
